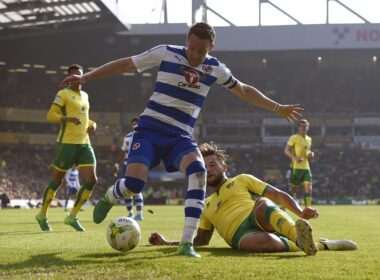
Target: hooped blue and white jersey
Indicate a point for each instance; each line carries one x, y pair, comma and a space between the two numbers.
180, 89
72, 178
126, 147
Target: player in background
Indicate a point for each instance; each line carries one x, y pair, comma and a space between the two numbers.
72, 184
165, 128
253, 225
70, 108
138, 199
298, 149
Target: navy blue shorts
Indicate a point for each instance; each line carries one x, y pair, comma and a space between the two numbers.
150, 147
71, 191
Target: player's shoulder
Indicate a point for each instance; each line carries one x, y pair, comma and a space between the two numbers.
294, 137
213, 61
63, 91
238, 179
82, 92
244, 177
176, 49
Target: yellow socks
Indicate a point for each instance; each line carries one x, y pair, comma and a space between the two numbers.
307, 199
82, 196
281, 222
49, 194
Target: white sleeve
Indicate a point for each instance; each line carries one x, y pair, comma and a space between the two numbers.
225, 77
78, 183
150, 58
67, 178
128, 143
124, 146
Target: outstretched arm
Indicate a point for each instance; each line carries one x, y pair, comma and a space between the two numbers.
109, 69
252, 95
203, 238
289, 203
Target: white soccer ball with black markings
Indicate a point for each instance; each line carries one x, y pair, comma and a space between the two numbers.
123, 234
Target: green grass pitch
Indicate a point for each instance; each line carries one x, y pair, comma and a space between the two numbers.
27, 253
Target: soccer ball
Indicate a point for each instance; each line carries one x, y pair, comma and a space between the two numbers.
123, 234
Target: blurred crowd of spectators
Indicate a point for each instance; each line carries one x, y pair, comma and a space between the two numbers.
337, 172
318, 89
37, 91
25, 171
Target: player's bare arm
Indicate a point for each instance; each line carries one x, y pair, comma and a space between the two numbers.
158, 239
203, 238
289, 203
109, 69
252, 95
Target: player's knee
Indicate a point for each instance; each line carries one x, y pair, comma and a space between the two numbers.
262, 204
196, 172
54, 185
93, 180
89, 185
134, 185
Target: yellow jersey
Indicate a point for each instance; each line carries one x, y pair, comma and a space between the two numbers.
227, 208
72, 103
301, 148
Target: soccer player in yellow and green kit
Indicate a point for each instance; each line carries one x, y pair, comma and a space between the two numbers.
70, 108
249, 224
298, 149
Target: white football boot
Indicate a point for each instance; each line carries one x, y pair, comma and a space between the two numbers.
339, 245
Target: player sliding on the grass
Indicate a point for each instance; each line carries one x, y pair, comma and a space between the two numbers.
165, 128
252, 225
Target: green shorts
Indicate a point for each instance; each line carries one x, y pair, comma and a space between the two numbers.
299, 176
68, 154
249, 225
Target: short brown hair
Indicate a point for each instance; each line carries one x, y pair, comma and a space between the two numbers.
303, 121
202, 30
74, 67
135, 119
209, 149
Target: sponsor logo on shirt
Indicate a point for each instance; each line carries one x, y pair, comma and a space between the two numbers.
57, 99
136, 146
207, 68
192, 77
230, 184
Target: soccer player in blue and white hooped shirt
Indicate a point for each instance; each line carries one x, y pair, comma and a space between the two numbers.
164, 131
72, 184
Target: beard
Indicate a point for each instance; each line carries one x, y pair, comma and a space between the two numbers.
217, 181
